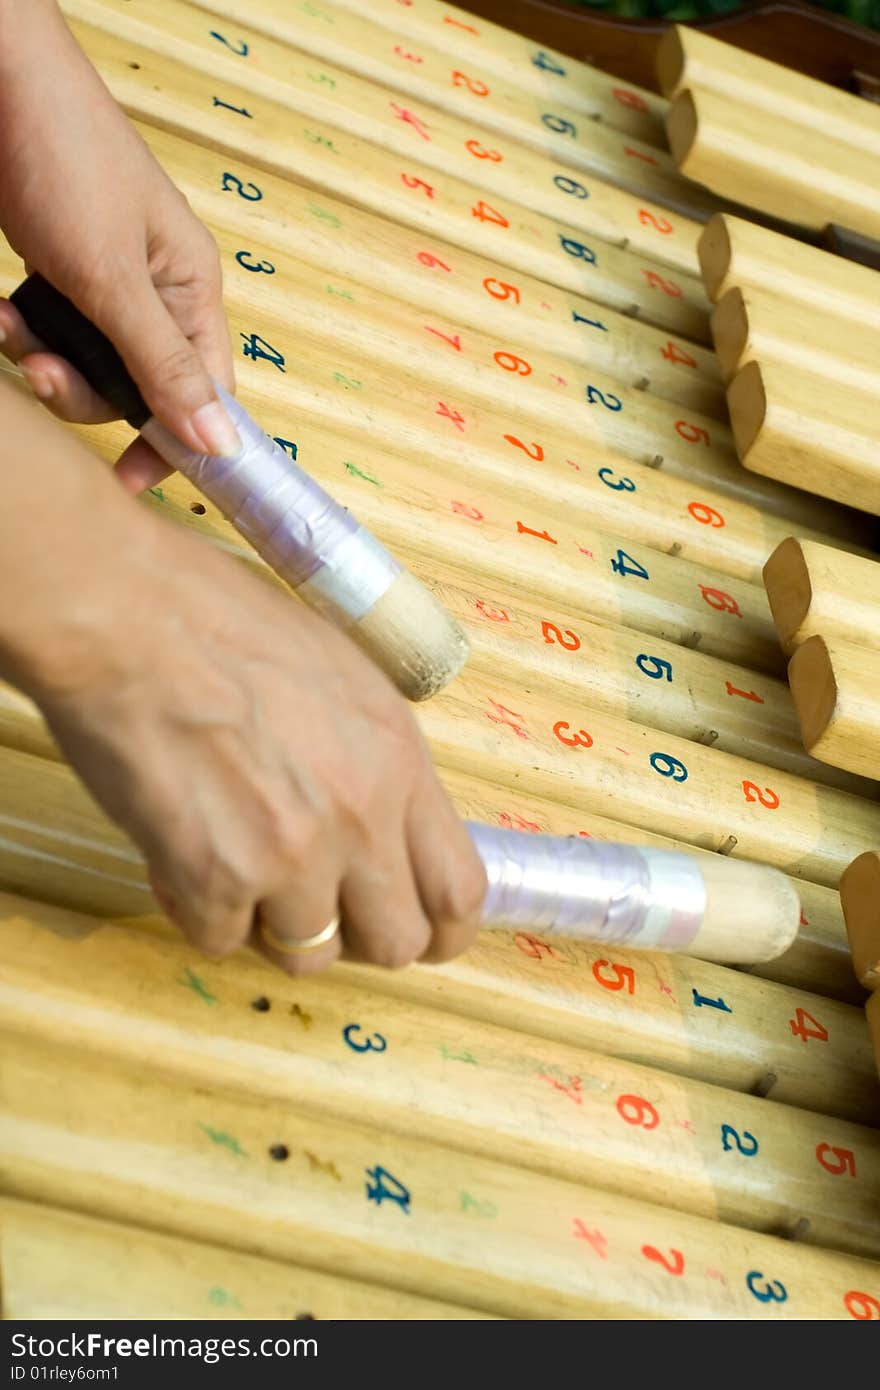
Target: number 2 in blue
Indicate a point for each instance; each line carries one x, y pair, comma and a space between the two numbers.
241, 48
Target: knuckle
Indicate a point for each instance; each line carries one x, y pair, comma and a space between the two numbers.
395, 950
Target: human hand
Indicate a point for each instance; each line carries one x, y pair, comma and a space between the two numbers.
266, 769
84, 202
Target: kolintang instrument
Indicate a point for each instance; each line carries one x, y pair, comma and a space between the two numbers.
614, 893
333, 563
496, 364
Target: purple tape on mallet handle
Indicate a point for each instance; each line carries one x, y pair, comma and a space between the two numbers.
288, 518
646, 898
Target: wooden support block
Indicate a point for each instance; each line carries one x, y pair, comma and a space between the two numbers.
357, 108
780, 168
755, 325
860, 899
269, 1180
835, 687
61, 1265
803, 430
818, 589
688, 57
734, 252
475, 1089
872, 1011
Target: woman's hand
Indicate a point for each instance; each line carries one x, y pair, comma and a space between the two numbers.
83, 201
269, 773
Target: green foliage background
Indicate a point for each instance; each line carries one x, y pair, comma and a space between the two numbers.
860, 11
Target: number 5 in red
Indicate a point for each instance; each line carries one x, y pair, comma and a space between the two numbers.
674, 1264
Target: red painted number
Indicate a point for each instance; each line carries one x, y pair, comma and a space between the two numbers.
846, 1160
707, 516
658, 283
639, 154
455, 340
579, 740
512, 820
659, 224
433, 261
526, 448
719, 600
500, 289
624, 976
495, 615
691, 434
511, 363
412, 182
457, 24
487, 214
628, 98
533, 946
567, 639
765, 795
798, 1026
473, 84
672, 1263
541, 535
746, 695
453, 415
462, 509
594, 1238
637, 1111
677, 354
862, 1306
476, 149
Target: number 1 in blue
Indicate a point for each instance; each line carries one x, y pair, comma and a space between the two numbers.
700, 999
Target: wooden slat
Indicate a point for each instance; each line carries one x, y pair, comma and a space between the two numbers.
352, 1199
63, 1266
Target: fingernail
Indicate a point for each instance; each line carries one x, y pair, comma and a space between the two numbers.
40, 383
215, 429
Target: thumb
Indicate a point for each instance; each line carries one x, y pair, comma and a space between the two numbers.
168, 371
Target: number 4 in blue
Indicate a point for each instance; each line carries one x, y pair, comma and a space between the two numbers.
625, 564
386, 1188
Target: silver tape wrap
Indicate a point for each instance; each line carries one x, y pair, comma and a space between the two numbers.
288, 518
648, 898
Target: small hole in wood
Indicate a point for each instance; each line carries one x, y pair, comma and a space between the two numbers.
305, 1317
261, 1005
135, 66
198, 507
280, 1152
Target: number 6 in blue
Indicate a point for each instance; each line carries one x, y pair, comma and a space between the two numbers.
668, 766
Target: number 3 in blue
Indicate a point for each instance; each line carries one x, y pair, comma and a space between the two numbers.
772, 1292
374, 1044
244, 259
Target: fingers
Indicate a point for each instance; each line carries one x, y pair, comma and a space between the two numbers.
52, 379
384, 922
449, 873
169, 370
139, 467
303, 908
